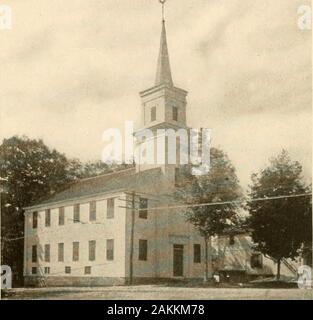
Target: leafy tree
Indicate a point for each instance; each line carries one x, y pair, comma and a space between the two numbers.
29, 171
219, 185
280, 227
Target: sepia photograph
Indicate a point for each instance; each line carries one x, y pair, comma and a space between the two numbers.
156, 150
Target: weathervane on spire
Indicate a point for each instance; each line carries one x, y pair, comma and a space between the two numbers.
163, 4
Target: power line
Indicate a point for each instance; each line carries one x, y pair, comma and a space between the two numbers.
225, 202
185, 206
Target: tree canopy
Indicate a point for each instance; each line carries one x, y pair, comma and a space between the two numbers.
280, 226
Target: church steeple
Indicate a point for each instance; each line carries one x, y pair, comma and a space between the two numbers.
163, 75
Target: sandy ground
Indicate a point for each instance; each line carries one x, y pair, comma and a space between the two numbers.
154, 292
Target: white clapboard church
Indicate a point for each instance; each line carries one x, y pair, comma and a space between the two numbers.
88, 234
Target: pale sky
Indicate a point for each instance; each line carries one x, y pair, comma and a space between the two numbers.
70, 69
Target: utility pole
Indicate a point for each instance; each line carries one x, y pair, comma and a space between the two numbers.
131, 266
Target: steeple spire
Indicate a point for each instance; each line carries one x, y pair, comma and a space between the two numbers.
163, 75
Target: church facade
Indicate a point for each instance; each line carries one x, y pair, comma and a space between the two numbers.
121, 228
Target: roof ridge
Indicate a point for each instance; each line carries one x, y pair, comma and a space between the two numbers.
105, 174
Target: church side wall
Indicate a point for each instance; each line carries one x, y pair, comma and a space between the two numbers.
103, 271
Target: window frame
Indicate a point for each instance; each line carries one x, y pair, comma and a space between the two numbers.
75, 253
48, 218
68, 270
35, 220
143, 212
143, 250
61, 216
110, 250
92, 250
197, 253
110, 208
61, 257
47, 252
34, 254
174, 113
93, 211
87, 268
76, 213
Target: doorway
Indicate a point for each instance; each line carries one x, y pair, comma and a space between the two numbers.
178, 260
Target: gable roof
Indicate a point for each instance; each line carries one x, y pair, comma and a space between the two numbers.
125, 180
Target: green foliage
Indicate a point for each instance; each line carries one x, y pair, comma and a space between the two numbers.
29, 171
280, 227
219, 185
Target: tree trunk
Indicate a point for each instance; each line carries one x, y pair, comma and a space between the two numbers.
278, 269
206, 273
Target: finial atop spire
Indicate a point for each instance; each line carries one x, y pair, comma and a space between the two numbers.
163, 3
164, 75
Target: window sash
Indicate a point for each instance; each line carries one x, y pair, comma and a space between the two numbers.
143, 206
61, 252
87, 270
68, 270
110, 208
197, 253
34, 253
110, 250
61, 216
75, 251
35, 220
175, 113
48, 218
47, 253
143, 250
76, 214
93, 211
92, 250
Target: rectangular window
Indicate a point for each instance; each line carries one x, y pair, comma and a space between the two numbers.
68, 270
87, 270
76, 217
153, 114
35, 220
61, 216
75, 251
47, 270
34, 253
48, 218
110, 249
47, 252
143, 250
93, 211
92, 250
61, 252
175, 114
143, 206
110, 208
34, 270
256, 261
197, 253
